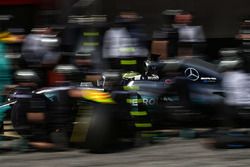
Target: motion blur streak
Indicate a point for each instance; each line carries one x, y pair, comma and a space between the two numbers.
109, 76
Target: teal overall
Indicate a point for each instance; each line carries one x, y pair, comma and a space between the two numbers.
5, 79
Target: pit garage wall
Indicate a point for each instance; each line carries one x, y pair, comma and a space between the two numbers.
220, 18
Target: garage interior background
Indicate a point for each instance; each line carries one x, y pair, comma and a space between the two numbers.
219, 18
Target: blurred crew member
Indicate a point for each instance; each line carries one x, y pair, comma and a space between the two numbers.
124, 38
190, 38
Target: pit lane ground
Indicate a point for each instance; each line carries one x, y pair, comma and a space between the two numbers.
171, 152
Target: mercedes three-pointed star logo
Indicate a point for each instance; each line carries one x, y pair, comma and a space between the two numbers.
192, 74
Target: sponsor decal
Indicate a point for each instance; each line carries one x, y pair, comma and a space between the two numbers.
192, 74
171, 99
149, 101
208, 79
168, 81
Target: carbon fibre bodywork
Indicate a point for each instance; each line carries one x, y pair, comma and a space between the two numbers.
188, 93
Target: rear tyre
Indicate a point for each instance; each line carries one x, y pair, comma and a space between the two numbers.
102, 131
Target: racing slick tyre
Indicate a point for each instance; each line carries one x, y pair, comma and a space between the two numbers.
102, 131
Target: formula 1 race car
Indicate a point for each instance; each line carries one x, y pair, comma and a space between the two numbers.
174, 93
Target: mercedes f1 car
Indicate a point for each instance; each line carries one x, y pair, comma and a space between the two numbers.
173, 93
